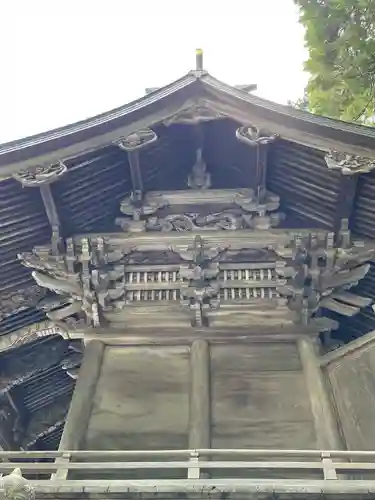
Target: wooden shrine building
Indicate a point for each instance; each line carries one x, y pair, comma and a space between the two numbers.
189, 276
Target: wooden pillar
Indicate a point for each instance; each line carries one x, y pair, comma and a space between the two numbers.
200, 398
324, 419
81, 405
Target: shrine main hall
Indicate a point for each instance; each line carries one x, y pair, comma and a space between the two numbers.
186, 302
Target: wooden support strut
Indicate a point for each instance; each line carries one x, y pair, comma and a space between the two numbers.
200, 399
326, 429
81, 404
345, 200
42, 177
51, 211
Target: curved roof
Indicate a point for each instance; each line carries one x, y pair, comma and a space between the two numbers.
195, 88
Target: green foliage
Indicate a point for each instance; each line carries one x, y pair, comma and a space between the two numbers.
340, 37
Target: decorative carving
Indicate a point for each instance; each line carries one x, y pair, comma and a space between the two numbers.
226, 220
199, 178
138, 210
349, 164
321, 274
137, 140
16, 487
41, 175
247, 212
194, 115
254, 136
52, 273
199, 292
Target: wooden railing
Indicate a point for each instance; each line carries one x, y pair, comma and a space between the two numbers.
235, 471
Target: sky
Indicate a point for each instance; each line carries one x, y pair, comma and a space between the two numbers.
66, 60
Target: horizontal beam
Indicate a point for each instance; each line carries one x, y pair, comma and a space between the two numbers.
257, 487
211, 452
107, 467
232, 240
348, 349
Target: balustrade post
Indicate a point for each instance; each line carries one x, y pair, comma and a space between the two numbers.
194, 469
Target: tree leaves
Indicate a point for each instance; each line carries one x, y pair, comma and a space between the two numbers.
340, 36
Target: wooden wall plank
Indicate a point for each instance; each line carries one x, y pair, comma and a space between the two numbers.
142, 399
259, 398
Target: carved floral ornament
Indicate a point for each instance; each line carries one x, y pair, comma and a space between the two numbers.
137, 140
349, 164
254, 136
41, 174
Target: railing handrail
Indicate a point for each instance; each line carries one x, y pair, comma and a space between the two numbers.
336, 476
101, 454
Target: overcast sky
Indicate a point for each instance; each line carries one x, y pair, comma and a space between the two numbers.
66, 60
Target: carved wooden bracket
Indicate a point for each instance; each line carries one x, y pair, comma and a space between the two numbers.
43, 177
254, 136
200, 290
349, 164
321, 274
137, 140
41, 174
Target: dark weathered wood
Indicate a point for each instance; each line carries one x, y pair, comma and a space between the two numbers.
53, 217
80, 408
326, 426
200, 398
345, 199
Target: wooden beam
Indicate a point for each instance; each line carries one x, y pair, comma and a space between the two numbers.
200, 398
325, 423
348, 349
81, 405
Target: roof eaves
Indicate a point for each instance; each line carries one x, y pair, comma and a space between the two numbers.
108, 116
288, 110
